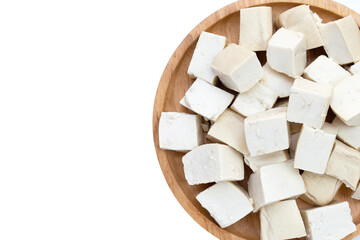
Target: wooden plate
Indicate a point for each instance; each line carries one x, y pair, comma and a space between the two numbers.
175, 82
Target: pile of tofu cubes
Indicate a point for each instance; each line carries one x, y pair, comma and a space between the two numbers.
278, 123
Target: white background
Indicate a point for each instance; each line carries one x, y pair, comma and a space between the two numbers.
77, 85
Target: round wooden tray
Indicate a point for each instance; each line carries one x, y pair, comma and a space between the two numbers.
175, 82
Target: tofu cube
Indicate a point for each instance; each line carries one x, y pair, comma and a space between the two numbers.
180, 131
281, 220
258, 99
309, 103
267, 132
342, 40
213, 163
329, 222
238, 68
277, 82
302, 19
226, 202
320, 188
313, 150
208, 46
345, 101
229, 129
355, 69
255, 27
286, 52
257, 162
206, 100
347, 134
325, 71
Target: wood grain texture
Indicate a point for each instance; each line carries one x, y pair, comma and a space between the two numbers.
175, 82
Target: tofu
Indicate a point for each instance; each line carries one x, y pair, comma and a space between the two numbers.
344, 164
302, 19
229, 129
309, 103
293, 143
325, 71
320, 189
342, 40
267, 132
257, 162
345, 101
226, 202
208, 46
329, 222
258, 99
206, 100
281, 220
180, 131
213, 163
275, 182
277, 82
355, 69
286, 52
238, 68
330, 128
347, 134
256, 27
313, 150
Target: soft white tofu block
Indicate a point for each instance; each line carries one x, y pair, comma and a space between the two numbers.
309, 103
180, 131
256, 162
313, 150
281, 220
344, 164
213, 163
302, 19
355, 69
226, 202
345, 101
332, 222
229, 129
267, 132
347, 134
275, 182
325, 71
207, 47
238, 68
277, 82
286, 52
258, 99
341, 40
255, 27
294, 138
320, 188
206, 100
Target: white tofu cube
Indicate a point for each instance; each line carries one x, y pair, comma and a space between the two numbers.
255, 27
313, 150
258, 99
257, 162
349, 135
213, 163
309, 103
342, 40
330, 128
320, 188
206, 100
238, 68
302, 19
226, 202
229, 129
355, 69
180, 131
345, 101
277, 82
329, 222
325, 71
344, 164
286, 52
207, 47
267, 132
281, 220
